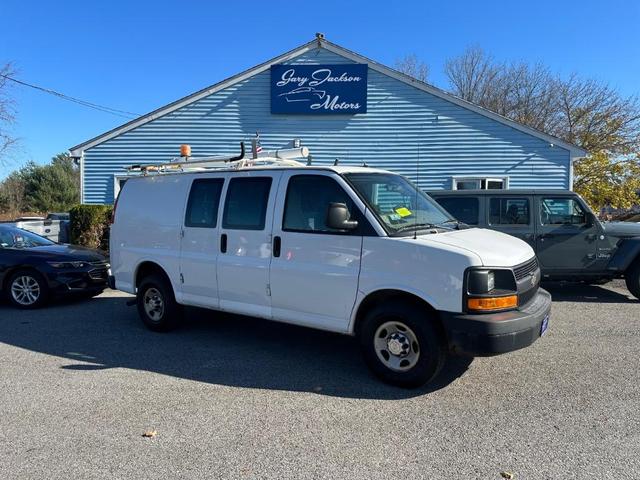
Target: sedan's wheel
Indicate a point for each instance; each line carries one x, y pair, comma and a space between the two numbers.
402, 344
157, 305
27, 289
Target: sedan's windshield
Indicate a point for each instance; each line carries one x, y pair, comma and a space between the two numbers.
396, 201
13, 237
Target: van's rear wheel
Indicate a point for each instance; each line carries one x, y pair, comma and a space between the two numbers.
402, 345
157, 305
632, 279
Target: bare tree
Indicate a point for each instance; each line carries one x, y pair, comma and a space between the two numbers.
413, 67
473, 76
596, 117
585, 112
7, 109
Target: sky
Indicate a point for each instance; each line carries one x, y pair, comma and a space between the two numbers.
137, 56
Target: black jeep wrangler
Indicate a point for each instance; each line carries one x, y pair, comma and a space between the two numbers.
569, 240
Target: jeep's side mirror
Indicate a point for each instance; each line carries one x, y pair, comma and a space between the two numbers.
338, 217
590, 219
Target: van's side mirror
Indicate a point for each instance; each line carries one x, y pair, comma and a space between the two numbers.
338, 217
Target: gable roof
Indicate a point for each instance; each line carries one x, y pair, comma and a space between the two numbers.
321, 42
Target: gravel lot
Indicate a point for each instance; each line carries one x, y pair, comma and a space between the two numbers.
232, 397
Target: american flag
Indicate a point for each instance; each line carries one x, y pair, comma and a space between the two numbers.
258, 145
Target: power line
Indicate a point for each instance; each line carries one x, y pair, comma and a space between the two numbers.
95, 106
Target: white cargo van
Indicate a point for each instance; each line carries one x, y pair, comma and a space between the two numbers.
353, 250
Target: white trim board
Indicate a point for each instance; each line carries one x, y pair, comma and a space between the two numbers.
76, 151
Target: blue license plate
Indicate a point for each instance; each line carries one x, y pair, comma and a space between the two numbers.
544, 326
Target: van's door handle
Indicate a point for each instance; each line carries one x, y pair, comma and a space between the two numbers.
277, 243
223, 243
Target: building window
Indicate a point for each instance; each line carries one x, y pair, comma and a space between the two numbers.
118, 183
480, 183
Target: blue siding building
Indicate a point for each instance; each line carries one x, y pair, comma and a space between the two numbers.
458, 144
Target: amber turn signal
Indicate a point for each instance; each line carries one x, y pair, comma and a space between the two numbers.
492, 303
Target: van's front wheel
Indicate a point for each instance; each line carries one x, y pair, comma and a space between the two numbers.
402, 345
157, 305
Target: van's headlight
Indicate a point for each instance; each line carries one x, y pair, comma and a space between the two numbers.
67, 264
490, 290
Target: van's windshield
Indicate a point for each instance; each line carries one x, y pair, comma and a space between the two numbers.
398, 203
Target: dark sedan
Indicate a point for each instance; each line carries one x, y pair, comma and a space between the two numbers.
34, 269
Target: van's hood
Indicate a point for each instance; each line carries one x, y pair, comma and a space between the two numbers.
494, 249
622, 229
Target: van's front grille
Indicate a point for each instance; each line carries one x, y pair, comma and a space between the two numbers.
522, 270
527, 296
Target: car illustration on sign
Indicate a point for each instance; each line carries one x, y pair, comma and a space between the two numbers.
302, 94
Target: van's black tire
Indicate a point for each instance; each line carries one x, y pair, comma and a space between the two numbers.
422, 324
632, 279
153, 288
43, 288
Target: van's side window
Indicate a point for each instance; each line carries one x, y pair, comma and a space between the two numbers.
245, 207
509, 211
307, 203
465, 209
204, 199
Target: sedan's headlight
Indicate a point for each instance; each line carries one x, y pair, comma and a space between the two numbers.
67, 264
490, 290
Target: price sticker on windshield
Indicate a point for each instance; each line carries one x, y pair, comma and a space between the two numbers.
403, 211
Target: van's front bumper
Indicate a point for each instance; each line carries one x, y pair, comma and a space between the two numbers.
494, 333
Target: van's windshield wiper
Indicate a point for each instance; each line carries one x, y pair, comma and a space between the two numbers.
458, 224
415, 226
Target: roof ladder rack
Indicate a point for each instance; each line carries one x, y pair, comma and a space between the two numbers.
283, 157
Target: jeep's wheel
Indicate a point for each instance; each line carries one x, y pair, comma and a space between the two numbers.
402, 345
157, 305
632, 279
27, 289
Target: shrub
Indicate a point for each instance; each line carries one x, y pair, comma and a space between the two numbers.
89, 225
